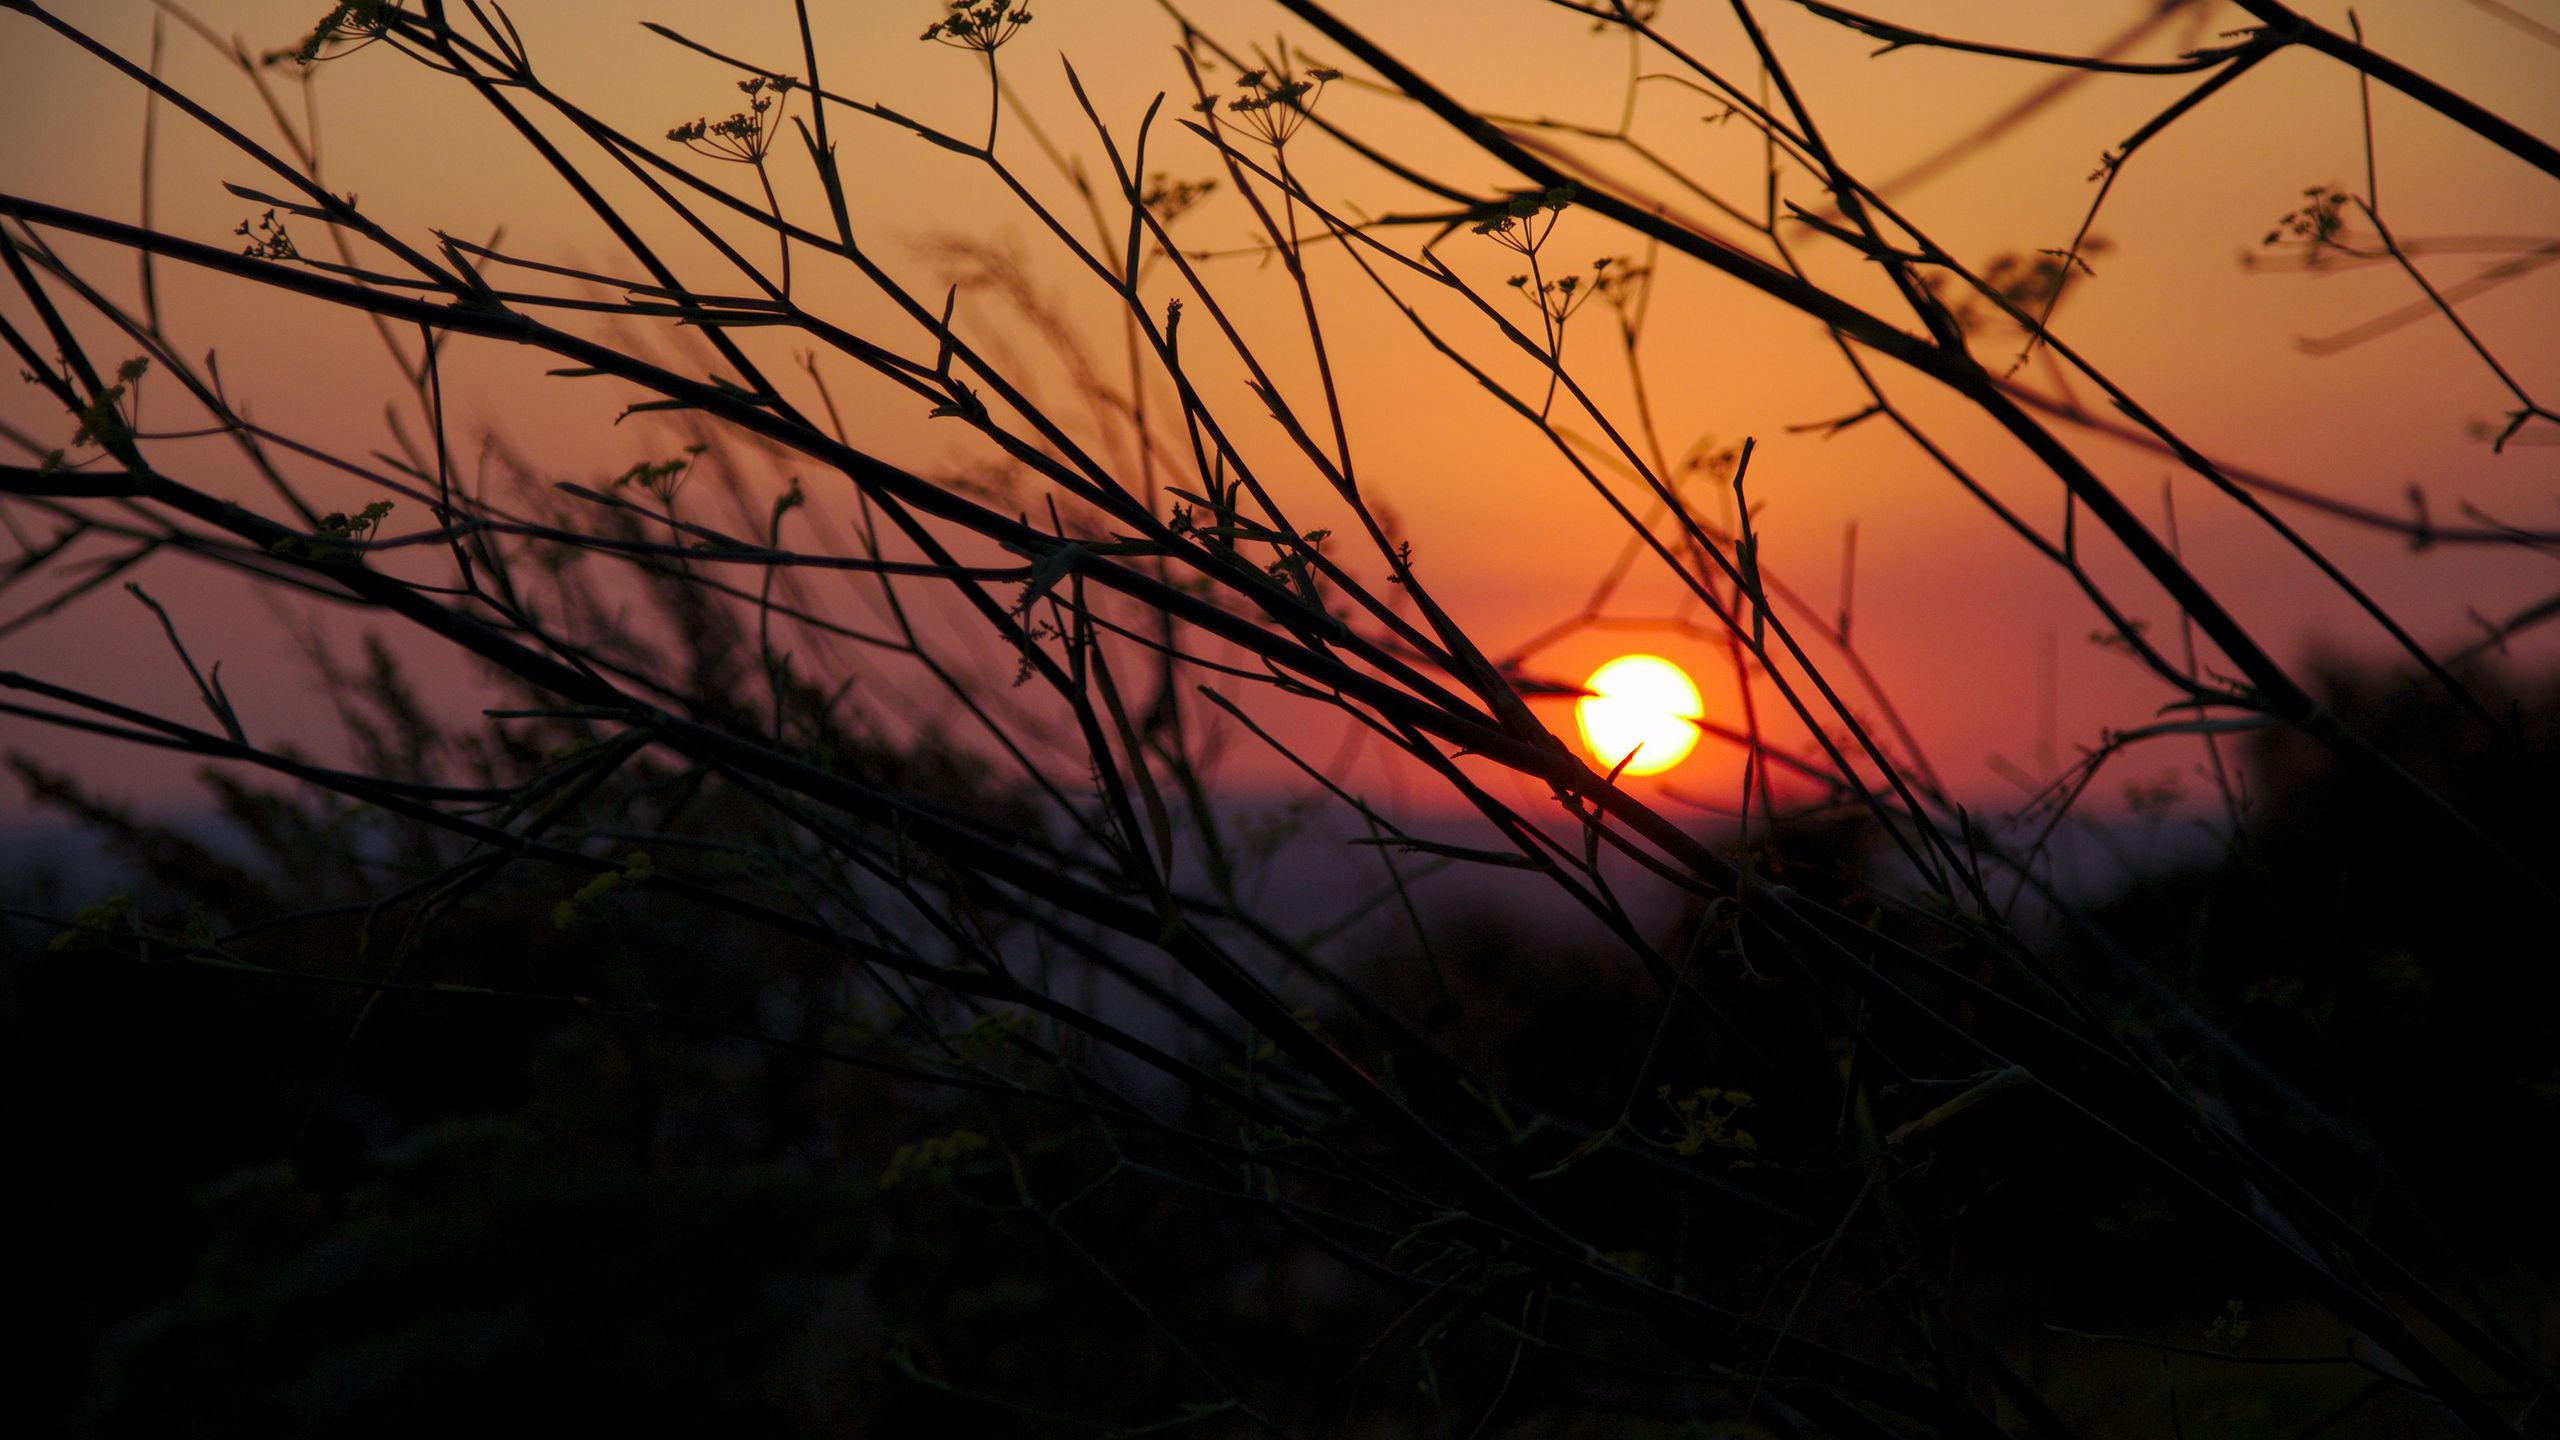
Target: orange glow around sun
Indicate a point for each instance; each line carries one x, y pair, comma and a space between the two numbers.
1639, 706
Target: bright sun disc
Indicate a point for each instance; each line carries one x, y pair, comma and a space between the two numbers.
1640, 705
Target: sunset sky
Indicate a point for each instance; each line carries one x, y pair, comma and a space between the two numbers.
1963, 627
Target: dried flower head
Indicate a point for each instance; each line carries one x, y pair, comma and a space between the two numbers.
1521, 222
267, 238
980, 25
1620, 281
1560, 298
660, 478
2318, 228
1167, 198
1274, 103
349, 26
746, 135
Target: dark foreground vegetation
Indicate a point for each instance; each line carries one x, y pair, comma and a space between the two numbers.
613, 1170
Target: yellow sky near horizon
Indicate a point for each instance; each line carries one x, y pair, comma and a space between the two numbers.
1953, 615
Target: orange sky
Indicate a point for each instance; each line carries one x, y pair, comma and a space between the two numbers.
1953, 615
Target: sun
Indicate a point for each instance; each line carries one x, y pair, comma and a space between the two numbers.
1639, 705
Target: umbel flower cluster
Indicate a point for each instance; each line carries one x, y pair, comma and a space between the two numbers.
1521, 221
1275, 102
746, 135
1562, 297
349, 26
979, 24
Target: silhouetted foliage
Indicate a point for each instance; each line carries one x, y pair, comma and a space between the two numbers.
829, 989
